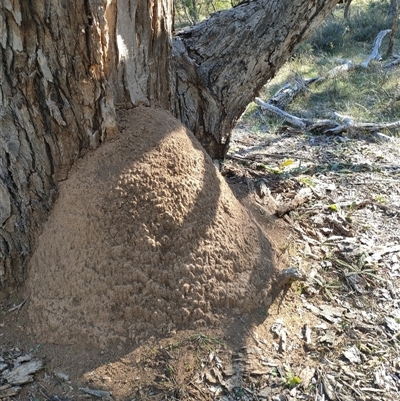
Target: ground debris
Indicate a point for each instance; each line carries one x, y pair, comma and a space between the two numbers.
22, 374
335, 335
16, 369
347, 241
8, 391
97, 393
304, 195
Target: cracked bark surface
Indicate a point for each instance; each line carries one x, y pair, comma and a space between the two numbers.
50, 107
224, 61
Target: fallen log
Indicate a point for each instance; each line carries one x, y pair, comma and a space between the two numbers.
328, 127
291, 119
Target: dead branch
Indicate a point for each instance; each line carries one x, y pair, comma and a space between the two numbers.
19, 306
291, 119
326, 126
290, 91
375, 51
393, 63
372, 127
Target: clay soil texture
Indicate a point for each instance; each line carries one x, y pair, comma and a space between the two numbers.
214, 323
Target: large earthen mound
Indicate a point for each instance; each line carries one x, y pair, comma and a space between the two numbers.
145, 236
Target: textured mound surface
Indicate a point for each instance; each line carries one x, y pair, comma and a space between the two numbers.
145, 236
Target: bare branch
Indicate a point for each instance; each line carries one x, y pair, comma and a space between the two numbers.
375, 51
291, 119
326, 126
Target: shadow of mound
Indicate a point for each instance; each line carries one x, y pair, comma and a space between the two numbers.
145, 238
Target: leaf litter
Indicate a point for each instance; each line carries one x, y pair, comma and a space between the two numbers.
347, 240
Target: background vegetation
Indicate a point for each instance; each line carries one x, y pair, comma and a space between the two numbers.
189, 12
367, 95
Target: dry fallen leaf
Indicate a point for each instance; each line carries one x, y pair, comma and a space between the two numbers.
352, 354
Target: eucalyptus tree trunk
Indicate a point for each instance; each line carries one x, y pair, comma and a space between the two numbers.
65, 66
394, 12
223, 62
347, 5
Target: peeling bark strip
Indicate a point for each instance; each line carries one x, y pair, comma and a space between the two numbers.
223, 62
138, 37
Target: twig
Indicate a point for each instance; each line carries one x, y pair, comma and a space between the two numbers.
392, 63
18, 307
373, 390
390, 249
44, 393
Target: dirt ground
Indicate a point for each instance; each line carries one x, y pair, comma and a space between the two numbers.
214, 323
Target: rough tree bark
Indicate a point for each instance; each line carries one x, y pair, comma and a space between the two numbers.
224, 61
64, 67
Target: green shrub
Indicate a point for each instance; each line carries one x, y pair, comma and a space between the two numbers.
365, 23
329, 37
367, 19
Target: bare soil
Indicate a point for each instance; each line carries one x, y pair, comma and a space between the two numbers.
333, 336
